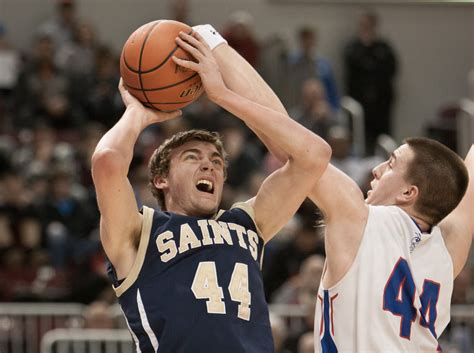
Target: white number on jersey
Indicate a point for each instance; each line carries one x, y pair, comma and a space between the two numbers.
206, 286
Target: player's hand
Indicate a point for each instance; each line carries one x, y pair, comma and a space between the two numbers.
148, 115
206, 65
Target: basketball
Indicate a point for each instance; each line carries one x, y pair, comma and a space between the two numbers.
150, 74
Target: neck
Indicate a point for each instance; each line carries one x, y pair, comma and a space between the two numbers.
422, 224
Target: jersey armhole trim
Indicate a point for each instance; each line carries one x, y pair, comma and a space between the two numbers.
137, 265
244, 206
443, 241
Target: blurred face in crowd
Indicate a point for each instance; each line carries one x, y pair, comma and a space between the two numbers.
312, 91
308, 42
66, 11
367, 27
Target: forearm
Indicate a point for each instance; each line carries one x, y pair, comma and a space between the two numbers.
294, 140
243, 79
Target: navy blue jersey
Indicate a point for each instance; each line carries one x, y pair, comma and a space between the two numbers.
196, 285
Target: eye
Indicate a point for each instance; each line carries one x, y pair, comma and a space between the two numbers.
217, 162
190, 156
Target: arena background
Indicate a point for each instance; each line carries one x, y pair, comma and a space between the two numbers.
434, 44
434, 40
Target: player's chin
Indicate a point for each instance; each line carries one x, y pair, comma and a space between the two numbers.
370, 198
208, 206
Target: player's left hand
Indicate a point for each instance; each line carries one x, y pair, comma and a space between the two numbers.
146, 115
206, 65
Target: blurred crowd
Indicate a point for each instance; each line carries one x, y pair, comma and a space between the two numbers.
59, 97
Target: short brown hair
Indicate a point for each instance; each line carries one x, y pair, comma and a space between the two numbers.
159, 164
439, 174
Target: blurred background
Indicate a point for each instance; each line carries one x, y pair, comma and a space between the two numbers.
362, 74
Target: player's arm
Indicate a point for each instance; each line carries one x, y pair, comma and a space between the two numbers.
120, 222
458, 226
308, 155
336, 195
241, 77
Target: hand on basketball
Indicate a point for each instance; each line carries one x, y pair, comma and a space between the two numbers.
149, 116
206, 65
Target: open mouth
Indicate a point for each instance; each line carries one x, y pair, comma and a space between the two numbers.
205, 186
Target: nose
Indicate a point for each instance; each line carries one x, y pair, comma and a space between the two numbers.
377, 171
206, 165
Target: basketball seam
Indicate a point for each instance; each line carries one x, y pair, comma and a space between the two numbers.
164, 87
140, 59
154, 68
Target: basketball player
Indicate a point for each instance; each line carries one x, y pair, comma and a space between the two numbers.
188, 277
391, 258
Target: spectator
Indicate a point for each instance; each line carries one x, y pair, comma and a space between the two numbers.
306, 326
78, 57
244, 158
62, 26
462, 290
306, 343
203, 114
102, 104
9, 64
358, 168
279, 332
314, 111
43, 91
98, 316
179, 11
274, 66
68, 222
288, 257
306, 281
240, 36
370, 68
306, 63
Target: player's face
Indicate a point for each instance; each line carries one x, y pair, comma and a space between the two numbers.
389, 185
195, 180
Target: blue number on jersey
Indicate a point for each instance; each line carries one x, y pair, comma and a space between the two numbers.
401, 282
429, 299
399, 295
327, 343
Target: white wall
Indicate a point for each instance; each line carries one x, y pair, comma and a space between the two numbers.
435, 43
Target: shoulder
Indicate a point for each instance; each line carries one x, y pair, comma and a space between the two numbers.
241, 213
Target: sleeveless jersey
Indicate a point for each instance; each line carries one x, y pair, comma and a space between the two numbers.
396, 295
196, 285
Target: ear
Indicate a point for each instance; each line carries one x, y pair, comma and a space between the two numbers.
409, 196
160, 182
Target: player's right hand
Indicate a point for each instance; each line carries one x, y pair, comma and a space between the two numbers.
205, 65
148, 115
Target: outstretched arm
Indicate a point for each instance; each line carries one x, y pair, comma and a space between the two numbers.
120, 221
242, 78
308, 155
336, 195
458, 226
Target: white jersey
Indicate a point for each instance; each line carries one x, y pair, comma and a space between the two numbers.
396, 295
